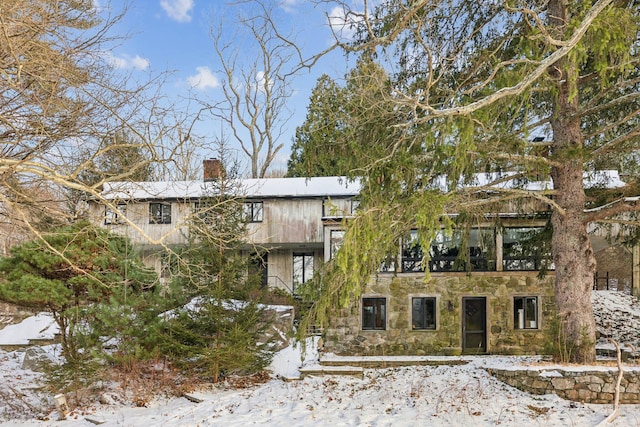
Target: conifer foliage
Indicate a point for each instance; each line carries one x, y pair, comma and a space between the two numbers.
67, 271
537, 90
220, 330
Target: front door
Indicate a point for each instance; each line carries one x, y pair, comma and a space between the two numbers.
474, 325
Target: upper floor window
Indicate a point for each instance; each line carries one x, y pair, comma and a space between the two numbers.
526, 248
355, 205
159, 213
253, 211
302, 268
412, 252
423, 313
336, 237
374, 313
525, 312
472, 251
115, 216
461, 251
206, 211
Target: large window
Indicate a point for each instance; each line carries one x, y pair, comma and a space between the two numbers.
423, 313
302, 268
159, 213
526, 248
474, 251
336, 237
253, 211
374, 313
525, 312
411, 253
115, 216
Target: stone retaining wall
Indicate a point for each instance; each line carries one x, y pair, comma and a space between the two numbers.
11, 314
593, 386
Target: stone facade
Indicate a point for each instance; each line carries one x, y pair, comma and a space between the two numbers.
592, 386
345, 335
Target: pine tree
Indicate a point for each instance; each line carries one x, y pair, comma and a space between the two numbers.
221, 328
69, 270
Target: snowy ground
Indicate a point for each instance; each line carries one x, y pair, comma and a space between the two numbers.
408, 396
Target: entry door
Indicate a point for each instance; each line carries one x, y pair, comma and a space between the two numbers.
474, 325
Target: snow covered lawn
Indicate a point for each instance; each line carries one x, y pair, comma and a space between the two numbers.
407, 396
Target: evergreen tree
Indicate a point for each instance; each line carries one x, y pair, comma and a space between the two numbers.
221, 328
330, 141
480, 84
68, 270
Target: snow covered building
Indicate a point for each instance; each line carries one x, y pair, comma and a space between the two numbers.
495, 301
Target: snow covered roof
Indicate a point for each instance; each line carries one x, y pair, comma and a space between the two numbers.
333, 186
603, 178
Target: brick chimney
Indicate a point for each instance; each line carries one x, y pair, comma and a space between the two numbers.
212, 169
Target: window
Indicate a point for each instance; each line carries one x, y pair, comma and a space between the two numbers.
374, 313
525, 312
526, 248
253, 211
302, 268
159, 213
207, 211
448, 253
335, 242
115, 216
388, 264
423, 313
412, 253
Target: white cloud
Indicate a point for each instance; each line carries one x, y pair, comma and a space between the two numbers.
289, 5
127, 62
204, 79
343, 24
178, 9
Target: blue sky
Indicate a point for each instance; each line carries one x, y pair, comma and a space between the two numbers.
175, 35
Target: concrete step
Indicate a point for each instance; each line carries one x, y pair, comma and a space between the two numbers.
321, 371
372, 362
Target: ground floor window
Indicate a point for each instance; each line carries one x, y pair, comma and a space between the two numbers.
423, 313
525, 312
374, 313
302, 268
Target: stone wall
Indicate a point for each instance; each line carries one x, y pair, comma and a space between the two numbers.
593, 386
11, 314
345, 335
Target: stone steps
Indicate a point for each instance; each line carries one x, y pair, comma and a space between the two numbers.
321, 371
355, 366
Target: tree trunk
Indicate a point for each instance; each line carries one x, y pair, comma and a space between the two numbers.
573, 256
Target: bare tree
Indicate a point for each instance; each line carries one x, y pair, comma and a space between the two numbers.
257, 67
60, 97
